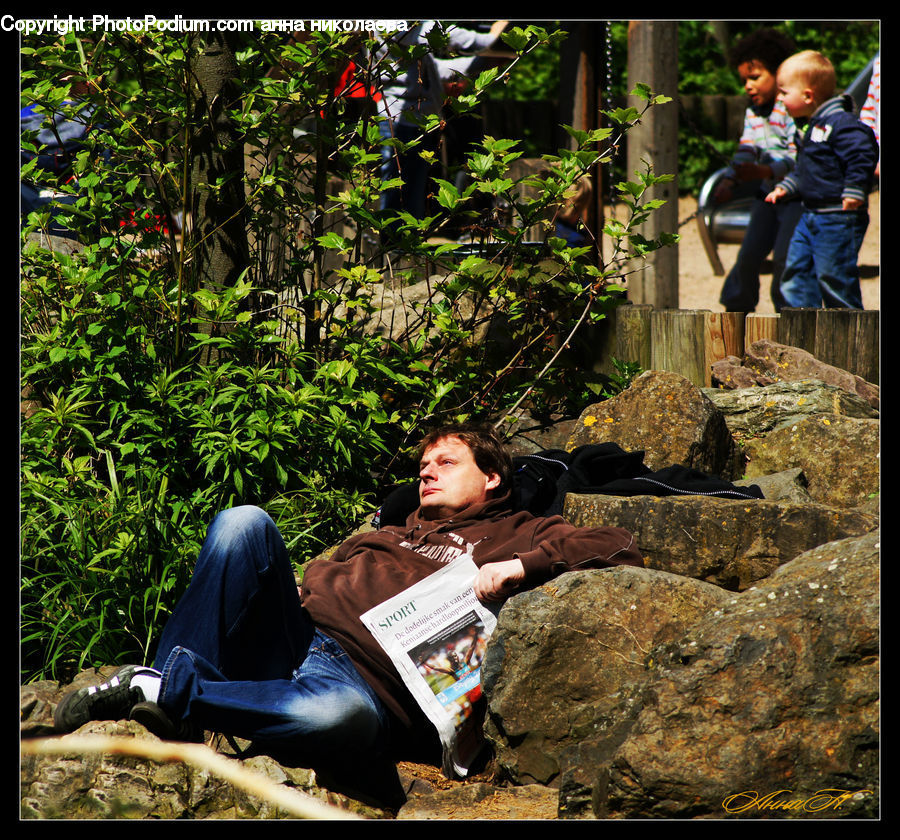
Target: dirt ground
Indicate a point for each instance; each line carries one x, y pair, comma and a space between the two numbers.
699, 287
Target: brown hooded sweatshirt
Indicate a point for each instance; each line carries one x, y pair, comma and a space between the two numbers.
369, 568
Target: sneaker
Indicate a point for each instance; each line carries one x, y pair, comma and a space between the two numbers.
154, 719
111, 700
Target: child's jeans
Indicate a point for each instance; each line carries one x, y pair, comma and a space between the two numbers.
822, 263
769, 230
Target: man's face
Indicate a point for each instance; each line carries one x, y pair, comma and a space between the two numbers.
759, 83
450, 479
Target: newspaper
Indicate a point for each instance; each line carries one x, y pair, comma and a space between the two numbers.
436, 634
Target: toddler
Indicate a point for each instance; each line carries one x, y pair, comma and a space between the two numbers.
836, 159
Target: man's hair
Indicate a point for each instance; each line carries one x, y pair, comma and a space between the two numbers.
767, 46
490, 455
816, 71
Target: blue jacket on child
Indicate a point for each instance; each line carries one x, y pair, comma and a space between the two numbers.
836, 157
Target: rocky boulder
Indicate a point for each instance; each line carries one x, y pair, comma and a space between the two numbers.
668, 418
751, 412
104, 785
561, 653
732, 544
481, 801
766, 362
768, 706
839, 456
784, 486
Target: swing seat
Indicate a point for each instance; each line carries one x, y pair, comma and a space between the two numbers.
722, 222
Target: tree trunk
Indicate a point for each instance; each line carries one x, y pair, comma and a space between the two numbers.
219, 207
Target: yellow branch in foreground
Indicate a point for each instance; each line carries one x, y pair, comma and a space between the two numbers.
197, 755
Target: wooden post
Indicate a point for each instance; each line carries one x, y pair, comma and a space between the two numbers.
866, 341
723, 336
797, 328
653, 61
848, 339
758, 326
830, 343
677, 343
633, 334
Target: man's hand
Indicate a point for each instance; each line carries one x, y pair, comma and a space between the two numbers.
497, 581
777, 193
851, 203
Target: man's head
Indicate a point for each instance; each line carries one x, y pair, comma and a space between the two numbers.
805, 81
459, 466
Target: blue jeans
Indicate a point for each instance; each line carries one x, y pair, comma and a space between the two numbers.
822, 266
769, 229
240, 655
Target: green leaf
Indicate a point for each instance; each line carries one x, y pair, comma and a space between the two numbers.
448, 194
486, 77
334, 241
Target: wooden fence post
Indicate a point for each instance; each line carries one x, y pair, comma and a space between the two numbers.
724, 334
758, 326
797, 328
848, 339
633, 334
677, 343
689, 341
653, 140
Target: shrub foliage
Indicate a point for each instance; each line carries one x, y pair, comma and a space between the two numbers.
237, 358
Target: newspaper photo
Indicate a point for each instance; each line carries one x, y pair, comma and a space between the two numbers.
436, 633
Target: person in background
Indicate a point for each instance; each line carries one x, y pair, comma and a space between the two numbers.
57, 139
836, 159
765, 154
870, 113
568, 222
411, 93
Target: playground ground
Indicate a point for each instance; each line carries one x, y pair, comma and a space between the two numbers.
699, 287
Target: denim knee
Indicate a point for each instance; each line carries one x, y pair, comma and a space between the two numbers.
241, 518
245, 532
343, 720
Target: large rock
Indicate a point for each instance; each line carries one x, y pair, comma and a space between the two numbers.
769, 361
108, 785
840, 456
561, 653
95, 786
751, 412
669, 419
732, 544
772, 698
729, 372
785, 486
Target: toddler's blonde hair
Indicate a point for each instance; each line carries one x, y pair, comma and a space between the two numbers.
815, 70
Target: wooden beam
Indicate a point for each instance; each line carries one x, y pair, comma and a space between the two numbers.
653, 61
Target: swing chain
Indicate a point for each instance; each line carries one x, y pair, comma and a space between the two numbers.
720, 156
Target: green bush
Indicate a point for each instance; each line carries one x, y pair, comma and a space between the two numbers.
235, 363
